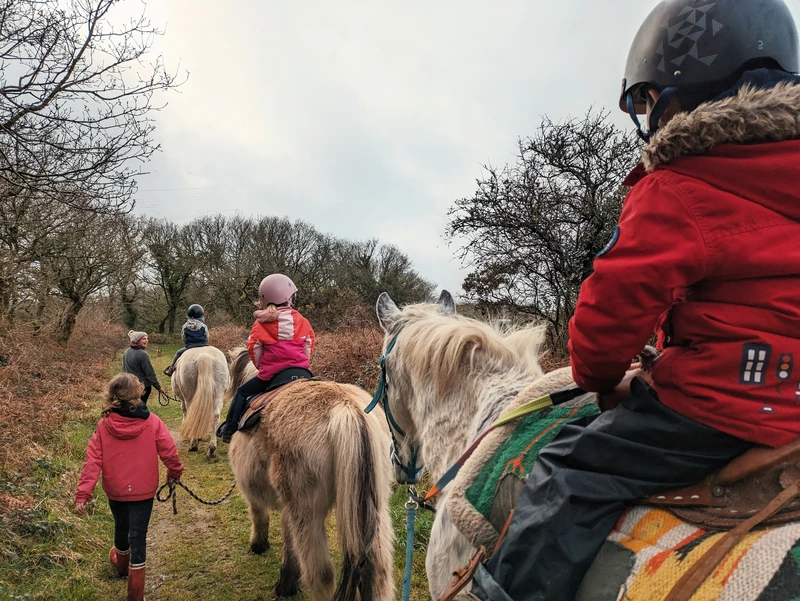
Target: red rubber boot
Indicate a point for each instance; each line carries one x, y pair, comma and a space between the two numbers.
120, 560
136, 583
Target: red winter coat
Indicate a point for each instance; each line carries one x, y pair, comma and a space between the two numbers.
708, 252
126, 450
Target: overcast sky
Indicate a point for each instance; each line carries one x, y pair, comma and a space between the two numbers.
370, 118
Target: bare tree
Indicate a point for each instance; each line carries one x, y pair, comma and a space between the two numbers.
76, 101
29, 225
83, 259
171, 261
369, 268
532, 230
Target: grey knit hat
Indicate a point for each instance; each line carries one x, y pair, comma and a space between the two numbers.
136, 336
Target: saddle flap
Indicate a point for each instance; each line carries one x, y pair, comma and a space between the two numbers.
698, 495
255, 407
714, 506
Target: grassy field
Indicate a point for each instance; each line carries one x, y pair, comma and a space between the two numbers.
202, 553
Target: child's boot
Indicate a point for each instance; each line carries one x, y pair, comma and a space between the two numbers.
169, 371
136, 582
120, 559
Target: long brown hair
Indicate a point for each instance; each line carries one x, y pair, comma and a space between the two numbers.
123, 393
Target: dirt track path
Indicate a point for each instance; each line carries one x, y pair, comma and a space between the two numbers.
163, 533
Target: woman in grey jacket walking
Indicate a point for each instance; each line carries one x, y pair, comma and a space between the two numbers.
136, 361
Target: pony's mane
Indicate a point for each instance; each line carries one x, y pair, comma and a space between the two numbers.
455, 344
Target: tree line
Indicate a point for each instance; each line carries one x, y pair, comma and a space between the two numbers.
149, 270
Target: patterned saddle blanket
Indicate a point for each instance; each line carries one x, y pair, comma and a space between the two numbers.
649, 549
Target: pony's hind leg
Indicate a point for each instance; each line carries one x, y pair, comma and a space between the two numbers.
289, 581
310, 546
212, 448
249, 461
259, 527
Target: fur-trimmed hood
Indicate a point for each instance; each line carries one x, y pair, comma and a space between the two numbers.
751, 116
746, 144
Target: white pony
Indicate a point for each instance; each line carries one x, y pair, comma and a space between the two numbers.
200, 380
449, 377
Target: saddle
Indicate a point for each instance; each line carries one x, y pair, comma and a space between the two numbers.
741, 489
280, 381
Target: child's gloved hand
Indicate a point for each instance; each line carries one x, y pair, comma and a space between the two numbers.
648, 356
610, 400
80, 507
645, 359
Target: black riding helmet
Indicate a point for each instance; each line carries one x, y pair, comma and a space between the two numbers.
195, 312
697, 49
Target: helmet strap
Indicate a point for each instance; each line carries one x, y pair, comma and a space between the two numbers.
663, 102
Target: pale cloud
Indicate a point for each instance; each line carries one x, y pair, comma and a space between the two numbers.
370, 118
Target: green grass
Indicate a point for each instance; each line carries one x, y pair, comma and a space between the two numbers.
202, 553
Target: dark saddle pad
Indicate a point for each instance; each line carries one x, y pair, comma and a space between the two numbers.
256, 404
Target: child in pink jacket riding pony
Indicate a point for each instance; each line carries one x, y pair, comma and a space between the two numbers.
125, 448
280, 346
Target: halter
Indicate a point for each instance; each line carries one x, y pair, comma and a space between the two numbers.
411, 470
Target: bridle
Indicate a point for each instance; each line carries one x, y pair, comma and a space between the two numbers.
411, 469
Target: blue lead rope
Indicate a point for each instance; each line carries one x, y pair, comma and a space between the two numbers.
411, 518
411, 470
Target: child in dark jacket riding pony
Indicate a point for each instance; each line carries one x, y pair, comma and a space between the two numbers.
125, 448
280, 339
194, 334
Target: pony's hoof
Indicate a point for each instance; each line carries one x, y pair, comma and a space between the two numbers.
288, 588
212, 452
259, 548
193, 449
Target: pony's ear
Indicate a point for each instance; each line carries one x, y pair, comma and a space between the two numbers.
448, 305
387, 311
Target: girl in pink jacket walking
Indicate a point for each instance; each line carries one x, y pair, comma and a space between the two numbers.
125, 448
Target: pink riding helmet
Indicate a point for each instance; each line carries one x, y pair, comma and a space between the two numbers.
276, 289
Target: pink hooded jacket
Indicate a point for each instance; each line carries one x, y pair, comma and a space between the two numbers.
126, 450
279, 340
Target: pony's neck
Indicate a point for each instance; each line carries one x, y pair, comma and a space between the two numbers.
452, 423
445, 433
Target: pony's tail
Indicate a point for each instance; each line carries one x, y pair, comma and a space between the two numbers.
362, 516
200, 412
